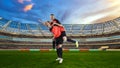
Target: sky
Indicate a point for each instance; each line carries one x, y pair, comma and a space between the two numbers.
67, 11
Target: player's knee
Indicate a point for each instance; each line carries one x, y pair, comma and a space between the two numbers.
65, 38
59, 46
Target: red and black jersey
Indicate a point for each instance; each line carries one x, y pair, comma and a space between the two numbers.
54, 21
57, 21
55, 29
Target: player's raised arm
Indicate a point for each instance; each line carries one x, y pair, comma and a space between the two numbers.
40, 21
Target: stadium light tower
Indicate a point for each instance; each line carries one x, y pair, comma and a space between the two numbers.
6, 25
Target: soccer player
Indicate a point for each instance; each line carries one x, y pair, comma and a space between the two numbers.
55, 22
59, 40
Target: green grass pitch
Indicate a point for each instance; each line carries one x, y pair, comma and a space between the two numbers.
100, 59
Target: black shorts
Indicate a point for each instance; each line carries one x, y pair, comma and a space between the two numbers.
63, 33
59, 40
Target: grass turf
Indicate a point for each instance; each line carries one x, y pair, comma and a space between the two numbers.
15, 59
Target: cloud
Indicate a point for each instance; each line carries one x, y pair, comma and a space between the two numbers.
95, 12
22, 1
112, 11
28, 7
67, 11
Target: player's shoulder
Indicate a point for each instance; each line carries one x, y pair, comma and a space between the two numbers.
57, 21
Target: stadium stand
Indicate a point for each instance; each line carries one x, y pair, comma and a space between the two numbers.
16, 35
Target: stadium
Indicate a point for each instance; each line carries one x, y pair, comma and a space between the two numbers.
29, 45
36, 36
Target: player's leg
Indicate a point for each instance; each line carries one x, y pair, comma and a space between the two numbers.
65, 38
73, 41
53, 43
57, 49
60, 53
59, 42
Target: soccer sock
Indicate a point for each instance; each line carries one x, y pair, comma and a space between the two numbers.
70, 40
53, 43
60, 52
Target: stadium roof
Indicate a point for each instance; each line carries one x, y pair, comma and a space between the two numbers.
14, 27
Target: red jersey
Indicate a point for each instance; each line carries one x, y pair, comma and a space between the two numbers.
56, 31
61, 28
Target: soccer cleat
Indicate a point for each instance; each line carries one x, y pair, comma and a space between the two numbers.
61, 60
57, 59
77, 44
